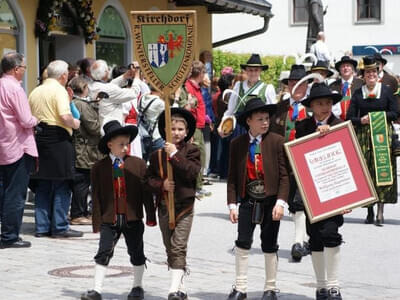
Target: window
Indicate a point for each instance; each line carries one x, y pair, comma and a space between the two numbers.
300, 12
368, 10
112, 45
8, 29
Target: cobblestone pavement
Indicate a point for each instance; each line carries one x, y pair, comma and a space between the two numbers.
63, 268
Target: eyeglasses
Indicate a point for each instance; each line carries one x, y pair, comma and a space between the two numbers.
21, 66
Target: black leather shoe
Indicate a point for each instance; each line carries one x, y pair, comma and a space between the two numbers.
334, 294
297, 252
137, 293
91, 295
269, 295
42, 234
18, 244
370, 216
321, 294
183, 295
236, 295
175, 296
67, 234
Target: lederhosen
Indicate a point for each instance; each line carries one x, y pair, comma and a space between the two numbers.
295, 203
110, 233
256, 208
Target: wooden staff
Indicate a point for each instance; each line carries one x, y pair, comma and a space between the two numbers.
170, 175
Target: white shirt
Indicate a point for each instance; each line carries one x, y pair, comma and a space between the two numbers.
270, 95
321, 51
112, 108
113, 158
337, 108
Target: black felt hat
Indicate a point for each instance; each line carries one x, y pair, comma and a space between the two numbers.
379, 57
187, 115
113, 129
318, 91
297, 72
323, 66
255, 104
345, 59
254, 61
369, 63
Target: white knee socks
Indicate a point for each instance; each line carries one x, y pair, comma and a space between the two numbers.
99, 275
300, 227
332, 257
242, 261
271, 266
318, 261
176, 279
138, 275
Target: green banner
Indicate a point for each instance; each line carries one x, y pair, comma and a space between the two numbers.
380, 145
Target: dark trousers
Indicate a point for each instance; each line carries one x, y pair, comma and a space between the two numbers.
80, 192
15, 178
109, 236
295, 202
214, 141
269, 228
325, 233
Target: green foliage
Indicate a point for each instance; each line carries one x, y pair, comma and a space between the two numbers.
223, 59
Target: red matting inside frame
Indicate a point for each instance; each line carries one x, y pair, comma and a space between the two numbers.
362, 192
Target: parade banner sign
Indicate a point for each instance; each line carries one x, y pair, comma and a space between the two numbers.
164, 43
330, 172
380, 145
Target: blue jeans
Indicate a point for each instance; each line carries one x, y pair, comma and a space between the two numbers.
13, 187
52, 201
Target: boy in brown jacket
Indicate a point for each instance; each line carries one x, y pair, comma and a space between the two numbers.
118, 200
185, 161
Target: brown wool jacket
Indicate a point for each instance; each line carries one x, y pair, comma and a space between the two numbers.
185, 166
275, 167
337, 85
103, 192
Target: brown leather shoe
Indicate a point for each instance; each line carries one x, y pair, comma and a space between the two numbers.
81, 221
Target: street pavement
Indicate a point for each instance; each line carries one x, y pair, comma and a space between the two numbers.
63, 268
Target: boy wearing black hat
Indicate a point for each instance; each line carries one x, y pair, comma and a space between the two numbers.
346, 85
118, 200
262, 198
290, 111
185, 161
324, 236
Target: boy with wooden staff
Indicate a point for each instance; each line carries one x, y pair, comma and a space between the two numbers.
324, 235
258, 177
184, 158
118, 199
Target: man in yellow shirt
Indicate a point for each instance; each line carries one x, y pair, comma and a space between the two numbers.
50, 104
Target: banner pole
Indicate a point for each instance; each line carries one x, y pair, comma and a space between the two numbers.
170, 175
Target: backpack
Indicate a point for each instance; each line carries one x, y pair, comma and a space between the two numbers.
145, 128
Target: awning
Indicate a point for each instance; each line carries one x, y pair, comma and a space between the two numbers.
260, 8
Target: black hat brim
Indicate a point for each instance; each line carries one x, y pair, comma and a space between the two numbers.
350, 61
286, 80
263, 67
130, 130
187, 115
334, 96
269, 108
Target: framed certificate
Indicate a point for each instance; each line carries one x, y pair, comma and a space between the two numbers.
330, 172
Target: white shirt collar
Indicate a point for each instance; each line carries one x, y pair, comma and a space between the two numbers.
323, 122
113, 158
292, 100
350, 81
252, 138
381, 74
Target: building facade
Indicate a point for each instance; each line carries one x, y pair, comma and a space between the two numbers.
349, 25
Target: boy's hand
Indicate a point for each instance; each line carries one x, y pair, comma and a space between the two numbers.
233, 215
170, 148
169, 186
346, 211
323, 129
365, 119
277, 212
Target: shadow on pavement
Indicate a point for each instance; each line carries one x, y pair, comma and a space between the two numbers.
108, 296
361, 221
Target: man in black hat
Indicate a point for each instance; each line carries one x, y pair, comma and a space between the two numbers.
384, 76
118, 199
346, 85
262, 198
184, 158
324, 236
250, 88
289, 112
